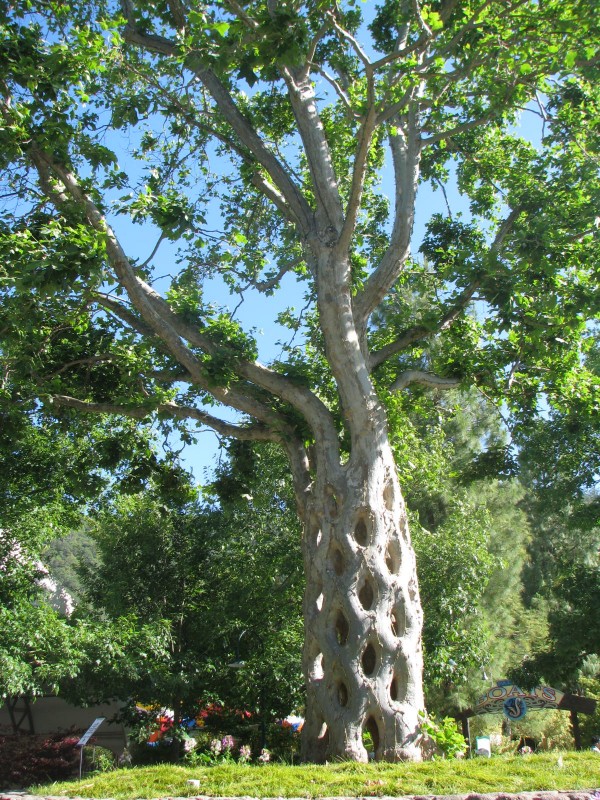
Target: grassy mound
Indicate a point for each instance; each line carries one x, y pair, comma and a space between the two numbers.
548, 771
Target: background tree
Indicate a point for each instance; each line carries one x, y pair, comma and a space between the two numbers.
286, 179
257, 581
53, 470
221, 586
47, 642
559, 460
471, 535
52, 475
35, 647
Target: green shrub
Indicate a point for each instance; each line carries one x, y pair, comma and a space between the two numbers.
98, 759
445, 734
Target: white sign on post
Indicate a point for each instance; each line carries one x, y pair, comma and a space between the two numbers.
85, 739
90, 731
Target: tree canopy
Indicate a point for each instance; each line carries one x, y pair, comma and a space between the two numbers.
213, 166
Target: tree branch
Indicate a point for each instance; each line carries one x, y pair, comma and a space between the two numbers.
150, 41
352, 115
316, 149
254, 432
264, 286
361, 155
468, 26
242, 127
352, 41
91, 360
250, 139
420, 21
405, 147
504, 229
447, 8
394, 110
271, 193
199, 122
237, 10
359, 171
124, 314
167, 376
163, 323
178, 12
301, 474
142, 296
419, 332
464, 126
317, 415
399, 54
427, 379
312, 50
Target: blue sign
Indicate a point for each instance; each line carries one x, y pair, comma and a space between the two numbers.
514, 708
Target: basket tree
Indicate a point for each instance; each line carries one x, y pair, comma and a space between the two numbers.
260, 142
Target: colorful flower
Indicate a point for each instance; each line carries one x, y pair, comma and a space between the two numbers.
245, 753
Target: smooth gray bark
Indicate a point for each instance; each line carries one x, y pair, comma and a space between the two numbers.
362, 656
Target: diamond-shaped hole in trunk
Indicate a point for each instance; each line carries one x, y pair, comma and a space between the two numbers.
342, 628
393, 558
366, 594
399, 684
389, 496
369, 659
342, 694
337, 561
361, 533
372, 728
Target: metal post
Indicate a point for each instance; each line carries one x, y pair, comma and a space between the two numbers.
466, 731
576, 729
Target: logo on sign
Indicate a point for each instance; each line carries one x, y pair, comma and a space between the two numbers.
515, 708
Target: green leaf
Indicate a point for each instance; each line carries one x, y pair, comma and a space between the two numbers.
221, 28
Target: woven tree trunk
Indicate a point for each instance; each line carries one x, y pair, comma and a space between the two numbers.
362, 656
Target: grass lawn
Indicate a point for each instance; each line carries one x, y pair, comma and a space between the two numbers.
497, 774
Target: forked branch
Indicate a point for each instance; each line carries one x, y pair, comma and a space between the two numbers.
242, 127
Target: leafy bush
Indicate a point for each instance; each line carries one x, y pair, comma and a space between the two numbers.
27, 759
283, 743
446, 735
98, 759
